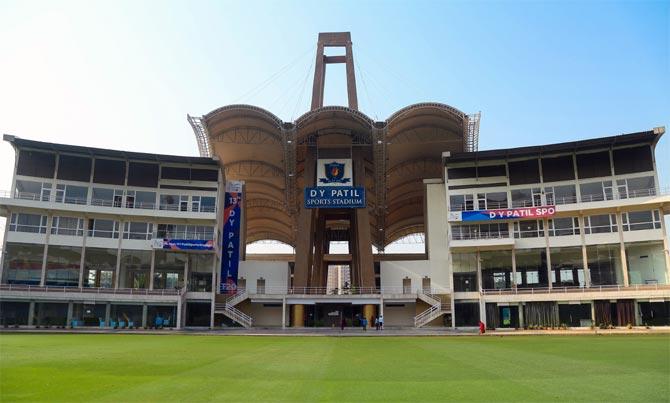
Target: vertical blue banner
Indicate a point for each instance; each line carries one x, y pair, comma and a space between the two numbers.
230, 243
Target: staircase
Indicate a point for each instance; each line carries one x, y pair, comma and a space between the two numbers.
228, 309
437, 308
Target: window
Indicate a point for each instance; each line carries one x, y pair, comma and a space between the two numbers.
564, 226
135, 268
605, 264
74, 168
461, 203
63, 264
169, 270
190, 174
496, 269
462, 173
523, 172
107, 197
567, 267
200, 272
67, 226
479, 231
646, 262
529, 229
564, 194
203, 204
596, 191
100, 266
178, 231
138, 230
598, 224
103, 228
71, 194
29, 190
558, 169
530, 197
465, 271
641, 220
140, 199
593, 165
22, 263
33, 223
110, 172
35, 163
143, 174
491, 171
636, 187
531, 268
174, 202
493, 200
632, 160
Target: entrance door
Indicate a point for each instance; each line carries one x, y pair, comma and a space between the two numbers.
425, 285
407, 285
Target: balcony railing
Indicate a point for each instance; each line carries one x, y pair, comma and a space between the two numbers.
480, 235
275, 290
574, 289
103, 202
87, 290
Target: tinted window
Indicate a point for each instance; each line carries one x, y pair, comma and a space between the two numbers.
142, 174
521, 172
593, 165
462, 173
210, 175
74, 168
492, 170
175, 173
558, 169
630, 160
112, 172
34, 163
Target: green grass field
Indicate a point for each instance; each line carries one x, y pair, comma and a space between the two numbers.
119, 368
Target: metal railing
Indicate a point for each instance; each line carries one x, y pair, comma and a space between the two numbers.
103, 202
574, 289
479, 235
88, 290
278, 290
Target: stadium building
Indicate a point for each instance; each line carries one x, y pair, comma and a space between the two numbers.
564, 234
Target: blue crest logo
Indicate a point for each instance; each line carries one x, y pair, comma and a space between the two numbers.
334, 173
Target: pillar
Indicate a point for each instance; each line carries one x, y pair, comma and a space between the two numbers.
622, 250
179, 314
298, 315
283, 313
513, 281
593, 313
368, 313
145, 312
638, 320
151, 270
31, 313
70, 308
108, 313
482, 311
521, 318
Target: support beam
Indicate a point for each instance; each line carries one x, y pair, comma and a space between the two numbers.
303, 250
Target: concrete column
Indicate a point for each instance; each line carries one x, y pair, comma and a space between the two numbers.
46, 251
215, 287
145, 312
108, 313
547, 251
179, 311
513, 282
298, 315
593, 313
283, 313
479, 271
4, 244
186, 269
482, 310
117, 274
666, 246
585, 259
638, 320
151, 270
622, 249
82, 262
521, 318
31, 313
70, 308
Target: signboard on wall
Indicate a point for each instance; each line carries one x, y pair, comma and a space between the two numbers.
230, 239
503, 214
334, 172
182, 244
335, 197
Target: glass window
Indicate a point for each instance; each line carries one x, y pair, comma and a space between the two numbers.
143, 174
169, 270
465, 272
461, 203
103, 228
596, 191
529, 229
641, 220
67, 226
140, 199
480, 231
605, 264
135, 268
646, 263
492, 200
462, 173
636, 187
523, 172
71, 194
564, 194
63, 263
556, 169
633, 159
567, 267
531, 268
594, 165
200, 272
111, 172
173, 202
496, 269
100, 266
22, 263
488, 171
138, 230
36, 163
597, 224
74, 168
564, 226
29, 190
107, 197
32, 223
526, 197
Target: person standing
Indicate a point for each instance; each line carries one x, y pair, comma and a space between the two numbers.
377, 323
364, 323
482, 327
343, 323
381, 322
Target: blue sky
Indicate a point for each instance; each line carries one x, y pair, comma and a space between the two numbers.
124, 74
